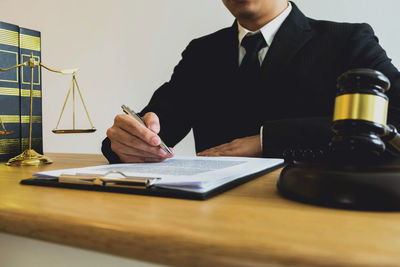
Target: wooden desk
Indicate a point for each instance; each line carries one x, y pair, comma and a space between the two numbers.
250, 225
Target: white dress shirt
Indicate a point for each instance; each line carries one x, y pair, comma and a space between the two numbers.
268, 31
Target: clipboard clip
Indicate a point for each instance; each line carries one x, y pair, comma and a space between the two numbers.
105, 180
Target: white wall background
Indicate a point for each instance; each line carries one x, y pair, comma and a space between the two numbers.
125, 49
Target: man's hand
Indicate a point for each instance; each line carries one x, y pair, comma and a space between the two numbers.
243, 147
133, 142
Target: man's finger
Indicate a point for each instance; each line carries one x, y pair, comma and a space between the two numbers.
152, 122
131, 141
246, 147
134, 127
210, 152
146, 151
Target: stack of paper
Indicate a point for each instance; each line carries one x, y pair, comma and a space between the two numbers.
195, 174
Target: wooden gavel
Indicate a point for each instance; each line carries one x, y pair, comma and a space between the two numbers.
360, 115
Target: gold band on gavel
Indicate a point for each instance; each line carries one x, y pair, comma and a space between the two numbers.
366, 107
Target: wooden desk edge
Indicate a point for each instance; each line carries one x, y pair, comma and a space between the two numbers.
166, 249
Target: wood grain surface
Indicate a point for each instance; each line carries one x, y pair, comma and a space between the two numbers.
251, 225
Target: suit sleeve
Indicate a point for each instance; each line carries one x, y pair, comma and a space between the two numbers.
172, 103
366, 52
280, 135
363, 51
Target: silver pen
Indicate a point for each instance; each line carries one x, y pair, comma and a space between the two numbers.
128, 111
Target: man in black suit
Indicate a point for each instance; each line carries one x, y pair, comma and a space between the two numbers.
265, 84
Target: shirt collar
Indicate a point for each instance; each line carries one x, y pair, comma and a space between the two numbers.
268, 30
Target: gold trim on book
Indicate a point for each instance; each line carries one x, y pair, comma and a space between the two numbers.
15, 92
8, 146
29, 42
11, 118
361, 107
16, 119
16, 62
12, 146
35, 142
9, 91
8, 37
35, 119
35, 93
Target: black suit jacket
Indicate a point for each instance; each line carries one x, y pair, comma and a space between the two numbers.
293, 99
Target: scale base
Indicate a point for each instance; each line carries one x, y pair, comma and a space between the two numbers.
361, 188
29, 158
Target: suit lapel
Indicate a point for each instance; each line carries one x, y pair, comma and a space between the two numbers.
290, 38
231, 48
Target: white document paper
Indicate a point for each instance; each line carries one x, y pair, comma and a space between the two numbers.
196, 174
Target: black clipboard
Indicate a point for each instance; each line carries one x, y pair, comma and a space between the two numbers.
143, 186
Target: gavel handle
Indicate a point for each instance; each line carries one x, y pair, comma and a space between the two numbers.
392, 136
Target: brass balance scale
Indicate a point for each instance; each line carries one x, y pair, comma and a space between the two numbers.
30, 157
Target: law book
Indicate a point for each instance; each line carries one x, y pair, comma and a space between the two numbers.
10, 145
181, 176
16, 46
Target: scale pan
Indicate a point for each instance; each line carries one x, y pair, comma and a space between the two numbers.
67, 131
6, 132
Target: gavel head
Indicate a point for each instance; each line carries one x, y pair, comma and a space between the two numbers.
360, 114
